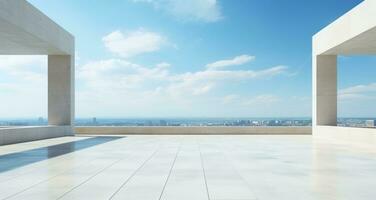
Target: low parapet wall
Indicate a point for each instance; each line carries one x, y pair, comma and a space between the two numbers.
11, 135
194, 130
357, 137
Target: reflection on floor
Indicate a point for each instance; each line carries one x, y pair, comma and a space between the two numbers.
20, 159
192, 168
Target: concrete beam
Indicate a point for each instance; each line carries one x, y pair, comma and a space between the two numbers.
24, 30
353, 33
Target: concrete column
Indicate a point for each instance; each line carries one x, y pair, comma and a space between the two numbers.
324, 90
60, 90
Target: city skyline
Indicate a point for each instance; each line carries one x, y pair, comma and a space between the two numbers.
188, 122
213, 59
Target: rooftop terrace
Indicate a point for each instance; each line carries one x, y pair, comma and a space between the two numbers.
187, 167
213, 163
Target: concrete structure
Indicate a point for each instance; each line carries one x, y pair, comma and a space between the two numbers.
352, 34
23, 134
217, 130
198, 167
24, 30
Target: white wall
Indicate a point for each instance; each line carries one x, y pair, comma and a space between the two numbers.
26, 134
357, 137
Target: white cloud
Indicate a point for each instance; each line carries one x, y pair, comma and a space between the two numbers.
116, 74
265, 105
117, 84
357, 101
261, 100
203, 90
229, 98
359, 89
358, 92
232, 75
352, 97
192, 10
238, 60
23, 86
188, 83
133, 43
125, 74
163, 65
24, 67
117, 87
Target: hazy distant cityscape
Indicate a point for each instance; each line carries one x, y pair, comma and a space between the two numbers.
347, 122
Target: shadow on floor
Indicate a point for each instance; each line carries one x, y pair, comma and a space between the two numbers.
20, 159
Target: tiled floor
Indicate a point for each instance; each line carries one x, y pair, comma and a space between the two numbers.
187, 167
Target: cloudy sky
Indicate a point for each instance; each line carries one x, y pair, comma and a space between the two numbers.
189, 58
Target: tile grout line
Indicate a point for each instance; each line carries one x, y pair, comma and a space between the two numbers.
36, 169
203, 169
43, 181
135, 172
88, 179
34, 144
61, 158
169, 174
50, 178
236, 170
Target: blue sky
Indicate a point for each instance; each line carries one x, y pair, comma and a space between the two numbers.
197, 58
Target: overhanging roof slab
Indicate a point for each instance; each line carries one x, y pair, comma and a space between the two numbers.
26, 30
352, 34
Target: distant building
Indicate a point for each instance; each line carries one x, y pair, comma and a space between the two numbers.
95, 120
255, 123
162, 123
40, 120
274, 123
148, 123
370, 123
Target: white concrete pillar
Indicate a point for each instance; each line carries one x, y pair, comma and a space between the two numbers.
324, 90
60, 90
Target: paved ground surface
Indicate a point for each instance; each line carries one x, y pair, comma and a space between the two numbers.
187, 168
